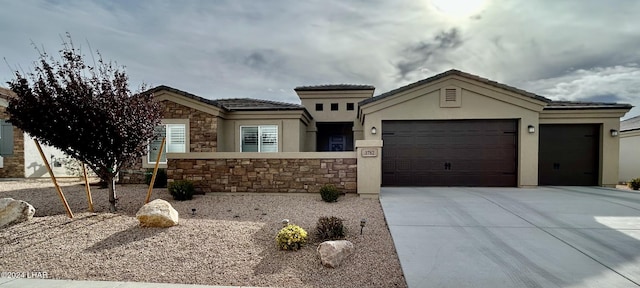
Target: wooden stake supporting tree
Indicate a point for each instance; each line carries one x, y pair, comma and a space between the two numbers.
155, 171
53, 178
87, 187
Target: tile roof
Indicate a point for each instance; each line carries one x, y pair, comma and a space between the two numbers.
185, 94
457, 73
248, 104
630, 124
574, 105
239, 104
334, 87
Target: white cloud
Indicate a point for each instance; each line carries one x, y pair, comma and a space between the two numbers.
601, 84
263, 49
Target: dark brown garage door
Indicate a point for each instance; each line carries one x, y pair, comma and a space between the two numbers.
449, 153
569, 154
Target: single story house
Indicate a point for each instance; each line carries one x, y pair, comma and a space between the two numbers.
629, 149
19, 157
452, 129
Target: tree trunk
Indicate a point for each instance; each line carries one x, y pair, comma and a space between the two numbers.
111, 184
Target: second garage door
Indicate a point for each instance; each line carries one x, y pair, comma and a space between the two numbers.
569, 154
480, 153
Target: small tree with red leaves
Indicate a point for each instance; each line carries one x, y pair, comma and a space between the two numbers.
86, 111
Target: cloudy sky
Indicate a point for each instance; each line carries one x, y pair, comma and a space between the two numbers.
586, 50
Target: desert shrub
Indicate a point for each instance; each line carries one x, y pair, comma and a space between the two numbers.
634, 184
329, 193
161, 178
181, 190
329, 228
291, 237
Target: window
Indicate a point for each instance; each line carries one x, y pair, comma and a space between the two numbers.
176, 141
334, 106
350, 106
319, 107
259, 138
6, 138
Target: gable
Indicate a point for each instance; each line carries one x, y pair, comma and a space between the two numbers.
453, 95
164, 95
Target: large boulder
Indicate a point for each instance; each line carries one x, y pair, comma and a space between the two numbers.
332, 253
157, 213
14, 211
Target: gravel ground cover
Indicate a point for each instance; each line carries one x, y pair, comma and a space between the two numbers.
229, 240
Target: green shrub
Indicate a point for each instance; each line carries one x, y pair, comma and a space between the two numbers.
181, 190
329, 193
291, 237
329, 228
161, 178
634, 184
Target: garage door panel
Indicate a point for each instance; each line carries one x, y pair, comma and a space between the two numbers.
569, 154
450, 153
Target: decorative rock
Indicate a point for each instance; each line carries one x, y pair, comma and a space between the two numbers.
157, 213
14, 211
332, 253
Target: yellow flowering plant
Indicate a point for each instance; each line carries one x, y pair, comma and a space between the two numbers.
291, 237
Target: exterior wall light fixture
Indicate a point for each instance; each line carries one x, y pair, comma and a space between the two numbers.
531, 129
374, 130
614, 132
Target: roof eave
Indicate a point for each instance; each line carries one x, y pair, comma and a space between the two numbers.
586, 107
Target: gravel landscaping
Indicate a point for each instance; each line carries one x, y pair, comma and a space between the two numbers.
229, 240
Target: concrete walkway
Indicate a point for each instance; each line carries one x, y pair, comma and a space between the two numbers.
509, 237
51, 283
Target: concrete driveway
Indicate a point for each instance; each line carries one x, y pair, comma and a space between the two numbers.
510, 237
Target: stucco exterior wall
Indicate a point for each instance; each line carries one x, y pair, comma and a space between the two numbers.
290, 138
629, 155
13, 165
34, 165
309, 100
477, 102
265, 172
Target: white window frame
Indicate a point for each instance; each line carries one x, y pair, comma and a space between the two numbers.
150, 163
261, 128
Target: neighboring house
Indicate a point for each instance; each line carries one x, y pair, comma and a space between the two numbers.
452, 129
630, 149
11, 142
19, 157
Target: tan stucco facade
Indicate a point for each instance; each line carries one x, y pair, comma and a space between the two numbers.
452, 95
344, 100
290, 130
309, 100
478, 101
629, 155
369, 153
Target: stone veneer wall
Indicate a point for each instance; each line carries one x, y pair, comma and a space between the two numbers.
14, 164
203, 136
265, 175
203, 127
